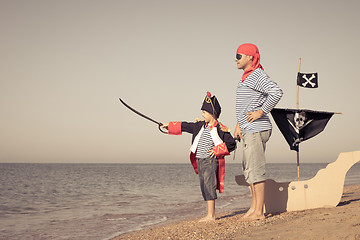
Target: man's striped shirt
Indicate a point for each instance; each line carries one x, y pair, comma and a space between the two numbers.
256, 92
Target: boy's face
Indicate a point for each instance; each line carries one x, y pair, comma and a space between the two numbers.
207, 116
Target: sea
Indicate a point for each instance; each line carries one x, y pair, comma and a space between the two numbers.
101, 201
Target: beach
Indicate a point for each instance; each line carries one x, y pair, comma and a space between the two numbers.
87, 201
341, 222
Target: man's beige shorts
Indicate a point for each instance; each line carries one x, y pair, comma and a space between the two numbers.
254, 156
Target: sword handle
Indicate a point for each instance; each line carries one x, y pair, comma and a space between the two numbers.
160, 124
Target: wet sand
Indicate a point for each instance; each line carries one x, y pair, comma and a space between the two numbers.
341, 222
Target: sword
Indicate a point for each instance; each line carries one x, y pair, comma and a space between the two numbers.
144, 116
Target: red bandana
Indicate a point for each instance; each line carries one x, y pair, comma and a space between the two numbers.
250, 50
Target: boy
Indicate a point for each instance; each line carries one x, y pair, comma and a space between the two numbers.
211, 141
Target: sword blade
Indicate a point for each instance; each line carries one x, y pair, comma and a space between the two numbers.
139, 113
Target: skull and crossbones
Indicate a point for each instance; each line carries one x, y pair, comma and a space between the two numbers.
300, 121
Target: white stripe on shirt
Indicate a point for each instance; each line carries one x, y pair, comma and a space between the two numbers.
205, 144
257, 91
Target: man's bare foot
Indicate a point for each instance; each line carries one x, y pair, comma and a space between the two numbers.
207, 219
252, 217
250, 211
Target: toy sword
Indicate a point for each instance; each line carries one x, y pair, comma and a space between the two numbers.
144, 116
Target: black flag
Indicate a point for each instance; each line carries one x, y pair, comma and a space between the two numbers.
308, 80
298, 125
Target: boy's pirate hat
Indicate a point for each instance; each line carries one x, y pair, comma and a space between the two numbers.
211, 105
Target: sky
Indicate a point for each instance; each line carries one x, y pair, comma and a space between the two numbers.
65, 64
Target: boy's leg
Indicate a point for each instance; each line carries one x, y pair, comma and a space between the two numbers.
209, 173
211, 212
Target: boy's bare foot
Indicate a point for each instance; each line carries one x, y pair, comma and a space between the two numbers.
207, 219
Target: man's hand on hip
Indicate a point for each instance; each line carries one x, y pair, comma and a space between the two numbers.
252, 116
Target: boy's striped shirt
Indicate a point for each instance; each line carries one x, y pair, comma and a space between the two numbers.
205, 144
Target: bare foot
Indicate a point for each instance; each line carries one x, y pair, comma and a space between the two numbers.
252, 217
207, 219
249, 212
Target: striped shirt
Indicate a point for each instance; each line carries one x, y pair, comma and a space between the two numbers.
205, 144
256, 92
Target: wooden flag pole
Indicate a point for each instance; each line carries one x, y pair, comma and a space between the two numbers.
297, 87
297, 108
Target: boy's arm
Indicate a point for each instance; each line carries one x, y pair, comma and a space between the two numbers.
228, 145
176, 128
230, 142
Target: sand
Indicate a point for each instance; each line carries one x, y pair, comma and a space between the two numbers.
341, 222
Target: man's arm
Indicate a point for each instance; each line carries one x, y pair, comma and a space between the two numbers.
237, 132
274, 94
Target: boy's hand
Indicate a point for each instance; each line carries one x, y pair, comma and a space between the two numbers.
211, 153
165, 126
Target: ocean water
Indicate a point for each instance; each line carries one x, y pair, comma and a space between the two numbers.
101, 201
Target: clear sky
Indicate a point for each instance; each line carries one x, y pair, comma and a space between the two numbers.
64, 64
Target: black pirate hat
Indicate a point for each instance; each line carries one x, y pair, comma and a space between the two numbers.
211, 105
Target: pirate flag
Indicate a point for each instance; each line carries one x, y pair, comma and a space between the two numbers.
298, 125
307, 80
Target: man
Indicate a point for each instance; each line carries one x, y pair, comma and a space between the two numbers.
256, 96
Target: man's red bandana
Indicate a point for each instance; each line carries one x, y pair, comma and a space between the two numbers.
250, 50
